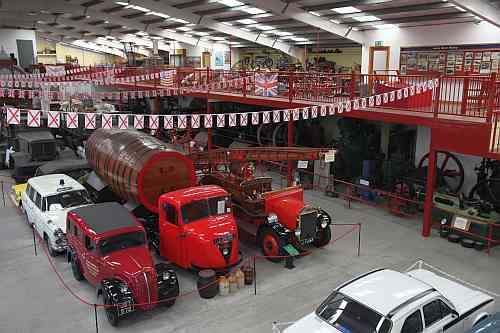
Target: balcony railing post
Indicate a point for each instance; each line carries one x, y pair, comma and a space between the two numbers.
491, 97
290, 87
244, 93
465, 96
437, 97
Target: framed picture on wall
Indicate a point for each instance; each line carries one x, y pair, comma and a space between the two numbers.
219, 59
227, 57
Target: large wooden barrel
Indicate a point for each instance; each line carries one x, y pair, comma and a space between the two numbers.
138, 166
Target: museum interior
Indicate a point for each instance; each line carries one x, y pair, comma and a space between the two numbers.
292, 166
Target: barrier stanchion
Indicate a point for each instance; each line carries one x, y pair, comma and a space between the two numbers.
359, 239
254, 277
34, 238
95, 315
3, 195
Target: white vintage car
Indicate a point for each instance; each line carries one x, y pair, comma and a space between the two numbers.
46, 201
386, 301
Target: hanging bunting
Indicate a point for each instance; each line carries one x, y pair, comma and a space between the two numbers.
255, 118
355, 105
181, 121
71, 120
168, 122
107, 121
363, 103
295, 114
323, 110
286, 115
208, 120
276, 116
90, 121
386, 98
347, 106
305, 113
392, 96
243, 119
138, 121
406, 92
412, 90
13, 116
314, 111
34, 118
122, 121
53, 119
400, 94
232, 119
154, 122
331, 109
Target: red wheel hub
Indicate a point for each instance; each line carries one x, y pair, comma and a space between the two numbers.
270, 245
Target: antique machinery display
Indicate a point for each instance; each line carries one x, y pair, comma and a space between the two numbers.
487, 187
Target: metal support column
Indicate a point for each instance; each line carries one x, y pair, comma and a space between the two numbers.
429, 189
290, 130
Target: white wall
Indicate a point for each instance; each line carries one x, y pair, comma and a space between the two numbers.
449, 34
196, 51
8, 39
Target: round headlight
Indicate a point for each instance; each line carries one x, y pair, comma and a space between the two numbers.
225, 251
324, 223
272, 218
444, 221
297, 232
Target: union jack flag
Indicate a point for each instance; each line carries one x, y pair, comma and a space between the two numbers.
266, 85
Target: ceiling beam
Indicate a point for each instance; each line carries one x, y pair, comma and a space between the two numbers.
293, 11
190, 4
409, 19
348, 3
482, 9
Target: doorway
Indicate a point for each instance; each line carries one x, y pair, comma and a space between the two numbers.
379, 59
25, 53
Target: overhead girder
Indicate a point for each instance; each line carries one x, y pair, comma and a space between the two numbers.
481, 8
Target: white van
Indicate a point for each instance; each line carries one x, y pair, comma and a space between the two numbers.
46, 202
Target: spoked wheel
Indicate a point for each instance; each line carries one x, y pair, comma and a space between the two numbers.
111, 311
270, 245
75, 268
405, 191
450, 170
51, 251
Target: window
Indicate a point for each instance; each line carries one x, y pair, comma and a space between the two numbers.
435, 311
32, 194
69, 199
28, 190
347, 315
38, 201
219, 205
171, 213
413, 324
89, 244
75, 231
200, 209
121, 242
44, 205
68, 225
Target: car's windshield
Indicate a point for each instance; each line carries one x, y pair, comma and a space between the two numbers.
349, 316
200, 209
69, 199
122, 241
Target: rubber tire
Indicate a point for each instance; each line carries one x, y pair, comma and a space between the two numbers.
269, 232
468, 243
111, 312
172, 302
444, 233
325, 237
479, 245
51, 251
76, 269
454, 238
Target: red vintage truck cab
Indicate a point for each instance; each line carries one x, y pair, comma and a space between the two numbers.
197, 229
108, 247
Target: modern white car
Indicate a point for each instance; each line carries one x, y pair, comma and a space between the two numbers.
387, 301
46, 202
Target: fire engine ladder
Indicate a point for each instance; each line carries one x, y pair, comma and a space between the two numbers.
221, 156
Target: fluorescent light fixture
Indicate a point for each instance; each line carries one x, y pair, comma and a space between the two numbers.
184, 28
142, 33
190, 25
252, 10
282, 33
139, 8
178, 20
264, 27
230, 3
385, 26
366, 18
315, 13
335, 21
245, 29
247, 21
165, 16
227, 23
234, 43
288, 37
218, 38
106, 22
121, 3
346, 10
240, 45
263, 15
460, 8
299, 39
205, 39
169, 30
305, 43
201, 33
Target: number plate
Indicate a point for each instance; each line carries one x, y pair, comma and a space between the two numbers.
461, 223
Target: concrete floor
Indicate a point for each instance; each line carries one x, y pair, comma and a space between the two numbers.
33, 300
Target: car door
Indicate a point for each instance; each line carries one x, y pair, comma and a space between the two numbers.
171, 235
439, 317
91, 261
29, 202
37, 215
